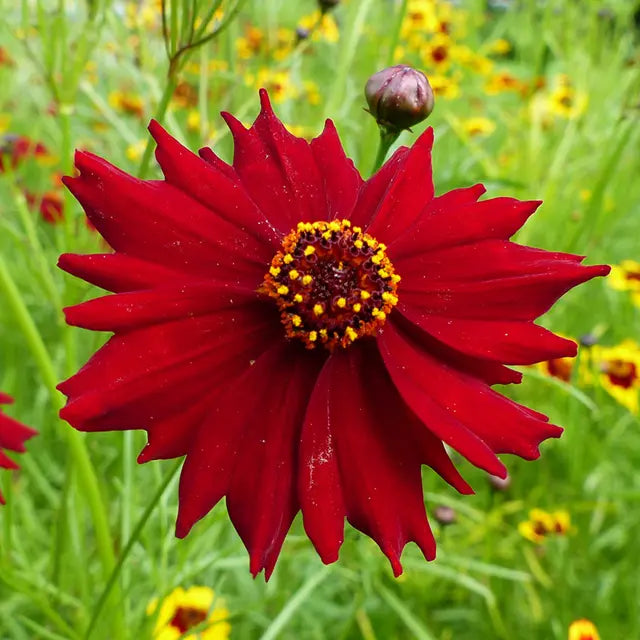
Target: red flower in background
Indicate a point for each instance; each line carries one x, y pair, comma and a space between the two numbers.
13, 435
309, 339
18, 148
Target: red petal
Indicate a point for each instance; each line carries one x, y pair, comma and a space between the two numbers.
341, 179
14, 434
172, 436
500, 341
379, 450
262, 498
505, 426
206, 183
409, 191
212, 456
319, 484
158, 223
515, 297
487, 371
144, 375
452, 220
278, 170
417, 390
118, 272
132, 310
373, 191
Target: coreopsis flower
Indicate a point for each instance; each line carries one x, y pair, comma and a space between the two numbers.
14, 149
542, 524
195, 608
309, 339
478, 126
626, 277
618, 370
583, 629
13, 435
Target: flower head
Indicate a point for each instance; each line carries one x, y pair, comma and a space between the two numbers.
195, 608
399, 97
626, 277
583, 629
542, 524
619, 372
309, 339
13, 435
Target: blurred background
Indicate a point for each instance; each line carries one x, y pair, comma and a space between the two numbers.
537, 100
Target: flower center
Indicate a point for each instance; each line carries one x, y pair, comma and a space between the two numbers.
621, 373
332, 283
186, 618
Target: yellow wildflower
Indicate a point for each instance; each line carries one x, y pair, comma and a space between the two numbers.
583, 629
626, 277
542, 524
134, 151
478, 126
618, 370
193, 608
320, 27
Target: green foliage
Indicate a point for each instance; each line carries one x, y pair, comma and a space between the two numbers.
86, 537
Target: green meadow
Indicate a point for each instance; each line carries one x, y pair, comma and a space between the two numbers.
534, 99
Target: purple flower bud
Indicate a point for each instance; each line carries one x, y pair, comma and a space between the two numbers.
399, 97
499, 484
444, 515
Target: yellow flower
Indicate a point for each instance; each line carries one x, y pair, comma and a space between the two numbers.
436, 53
277, 83
478, 126
251, 43
626, 277
503, 81
320, 27
312, 92
182, 610
564, 101
500, 47
583, 630
444, 87
193, 120
5, 119
127, 102
420, 17
134, 151
542, 524
619, 372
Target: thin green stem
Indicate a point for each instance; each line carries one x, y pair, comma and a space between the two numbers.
159, 115
387, 138
127, 549
80, 456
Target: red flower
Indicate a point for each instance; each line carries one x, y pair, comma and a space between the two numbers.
264, 330
18, 148
50, 206
13, 435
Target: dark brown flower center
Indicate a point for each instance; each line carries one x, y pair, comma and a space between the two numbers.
186, 618
332, 283
560, 368
621, 373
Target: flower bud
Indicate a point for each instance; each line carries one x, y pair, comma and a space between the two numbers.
444, 515
499, 484
399, 97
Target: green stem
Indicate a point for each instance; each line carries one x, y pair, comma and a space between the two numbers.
159, 115
127, 549
80, 456
387, 138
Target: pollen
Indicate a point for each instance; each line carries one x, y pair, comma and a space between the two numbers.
333, 284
